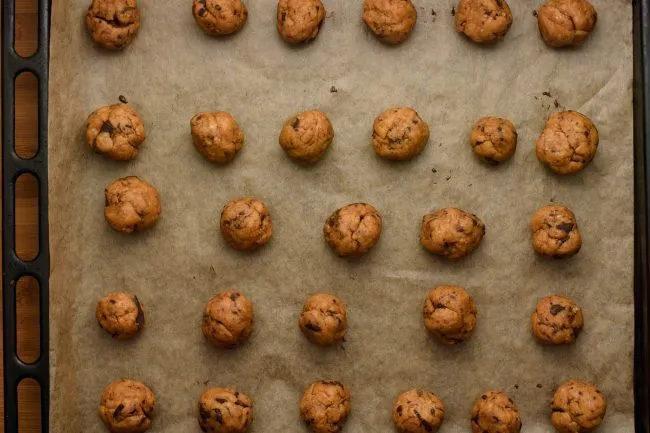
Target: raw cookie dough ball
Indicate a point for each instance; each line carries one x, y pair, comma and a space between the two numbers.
418, 411
216, 136
127, 406
306, 136
568, 142
494, 412
555, 232
132, 205
246, 224
227, 319
399, 133
577, 407
451, 233
115, 131
352, 230
449, 314
493, 139
566, 22
556, 320
300, 20
219, 17
483, 21
113, 23
391, 20
120, 314
225, 410
323, 319
325, 406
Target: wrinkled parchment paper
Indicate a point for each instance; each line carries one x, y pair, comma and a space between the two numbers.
173, 71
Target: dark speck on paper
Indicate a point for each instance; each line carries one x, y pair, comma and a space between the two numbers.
433, 170
535, 13
123, 99
333, 89
539, 385
453, 11
447, 178
547, 94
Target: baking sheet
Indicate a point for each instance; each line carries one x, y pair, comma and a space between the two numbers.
173, 71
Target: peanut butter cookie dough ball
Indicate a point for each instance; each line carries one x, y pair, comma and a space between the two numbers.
555, 232
556, 320
306, 136
246, 224
115, 131
216, 136
451, 233
325, 406
219, 17
300, 20
323, 319
399, 134
418, 411
565, 23
577, 407
494, 412
127, 406
120, 314
352, 230
449, 314
483, 21
225, 410
227, 319
132, 205
392, 21
493, 139
113, 23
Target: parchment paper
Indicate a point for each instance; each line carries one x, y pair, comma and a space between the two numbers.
173, 71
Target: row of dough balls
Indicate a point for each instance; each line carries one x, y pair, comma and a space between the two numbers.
127, 406
114, 23
567, 144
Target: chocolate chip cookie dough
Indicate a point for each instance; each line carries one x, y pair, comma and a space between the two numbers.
300, 20
323, 319
127, 406
449, 314
483, 21
115, 131
493, 139
556, 320
120, 314
246, 224
555, 232
225, 410
577, 407
113, 23
451, 233
306, 136
227, 319
352, 230
132, 205
568, 142
494, 412
325, 406
219, 17
217, 136
399, 133
392, 21
565, 23
418, 411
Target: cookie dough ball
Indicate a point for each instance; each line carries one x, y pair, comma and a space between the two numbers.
565, 23
115, 131
300, 20
555, 232
216, 136
306, 136
449, 314
556, 320
451, 233
352, 230
219, 17
399, 134
113, 23
227, 319
323, 319
568, 142
483, 21
132, 205
225, 410
493, 139
577, 407
246, 224
418, 411
120, 314
127, 406
392, 21
494, 412
325, 406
